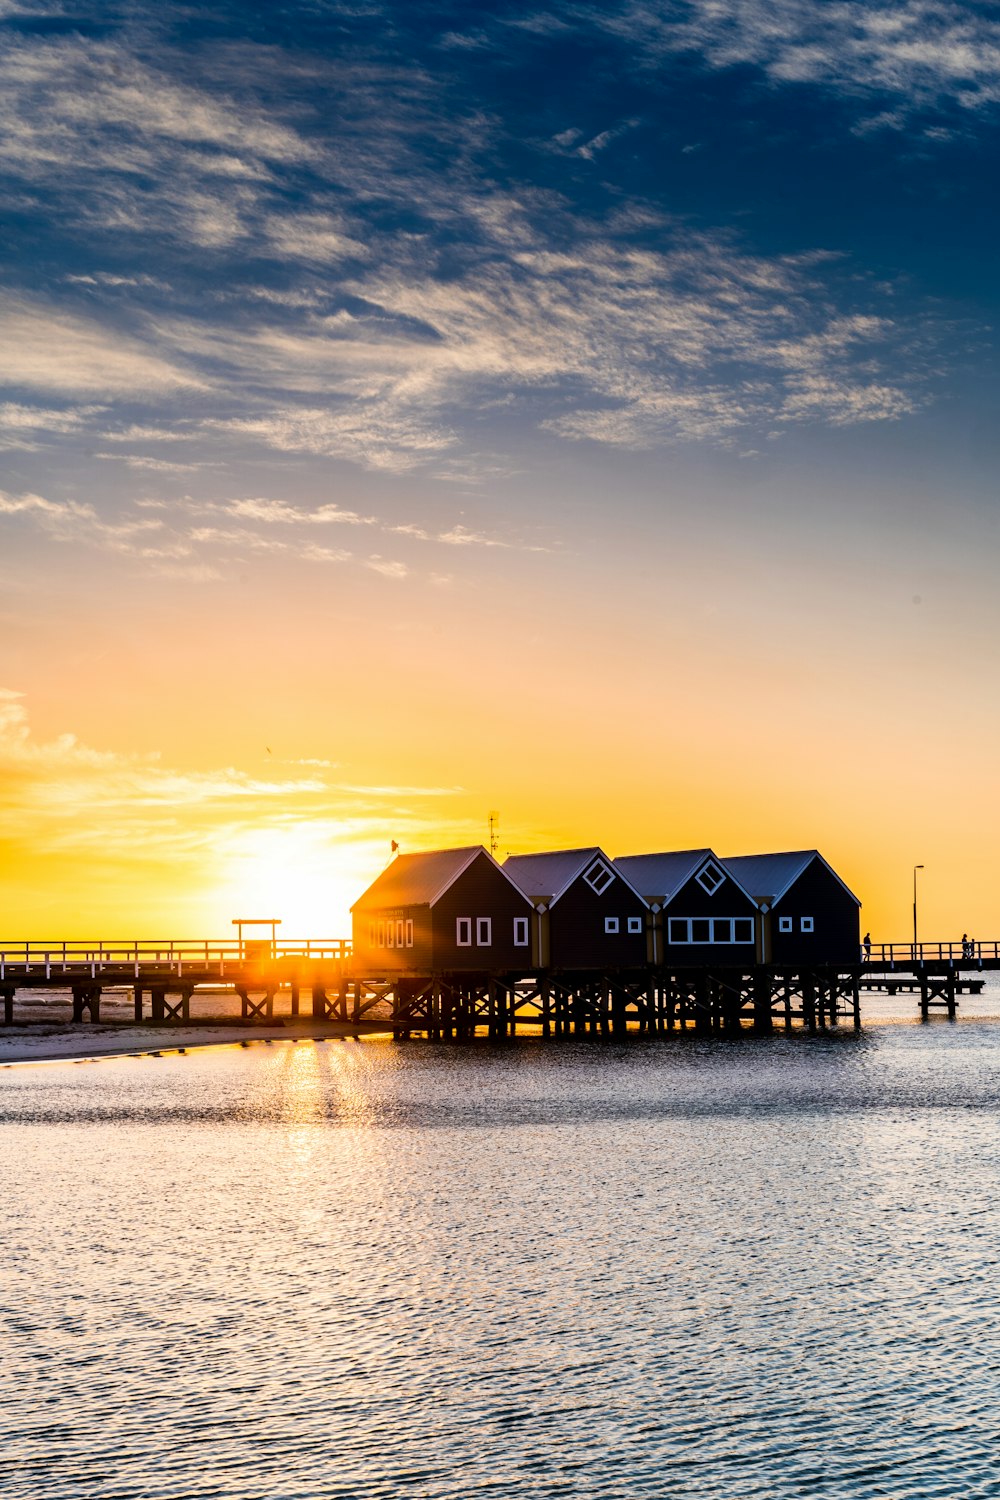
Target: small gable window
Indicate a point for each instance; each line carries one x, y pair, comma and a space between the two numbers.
463, 932
635, 924
610, 924
808, 925
784, 924
598, 876
710, 878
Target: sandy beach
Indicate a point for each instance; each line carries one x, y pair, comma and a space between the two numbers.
43, 1031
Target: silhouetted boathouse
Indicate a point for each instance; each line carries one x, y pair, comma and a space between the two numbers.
444, 910
588, 914
808, 914
701, 912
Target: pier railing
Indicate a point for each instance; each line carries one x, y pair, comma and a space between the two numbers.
971, 952
204, 956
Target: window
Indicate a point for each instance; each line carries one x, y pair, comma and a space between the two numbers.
463, 932
409, 932
784, 924
714, 930
598, 876
520, 932
710, 878
635, 924
610, 924
390, 934
400, 930
484, 932
807, 924
381, 934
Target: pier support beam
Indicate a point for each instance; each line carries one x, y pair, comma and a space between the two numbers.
167, 1004
87, 997
256, 1010
762, 1018
7, 995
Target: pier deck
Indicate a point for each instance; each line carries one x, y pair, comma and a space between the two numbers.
163, 976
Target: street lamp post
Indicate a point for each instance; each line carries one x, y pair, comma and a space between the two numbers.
915, 869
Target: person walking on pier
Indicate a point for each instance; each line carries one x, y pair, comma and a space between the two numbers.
967, 946
866, 948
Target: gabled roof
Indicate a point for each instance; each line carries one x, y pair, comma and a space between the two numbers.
660, 876
545, 877
770, 876
421, 879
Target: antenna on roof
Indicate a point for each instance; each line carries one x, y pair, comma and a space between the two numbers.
494, 833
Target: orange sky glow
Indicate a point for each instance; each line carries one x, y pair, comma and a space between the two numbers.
590, 416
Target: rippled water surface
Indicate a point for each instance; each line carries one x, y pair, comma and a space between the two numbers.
738, 1268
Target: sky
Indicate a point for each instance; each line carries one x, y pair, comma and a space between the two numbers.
587, 412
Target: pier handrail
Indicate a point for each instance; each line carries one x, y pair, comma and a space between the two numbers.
172, 954
970, 953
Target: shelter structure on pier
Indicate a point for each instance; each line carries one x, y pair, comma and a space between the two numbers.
445, 909
588, 913
808, 914
702, 914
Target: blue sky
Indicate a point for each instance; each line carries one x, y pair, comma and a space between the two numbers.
416, 308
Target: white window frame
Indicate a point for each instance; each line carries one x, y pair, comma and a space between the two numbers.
463, 925
635, 924
721, 932
400, 933
599, 877
484, 925
708, 886
409, 932
390, 934
785, 924
381, 934
610, 924
521, 932
808, 925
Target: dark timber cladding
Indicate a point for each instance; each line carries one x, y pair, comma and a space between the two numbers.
701, 913
808, 913
446, 910
589, 915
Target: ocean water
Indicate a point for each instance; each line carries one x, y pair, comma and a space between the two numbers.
670, 1267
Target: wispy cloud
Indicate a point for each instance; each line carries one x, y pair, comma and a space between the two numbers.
924, 52
49, 349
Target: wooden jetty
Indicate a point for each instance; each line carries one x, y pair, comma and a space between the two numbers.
321, 980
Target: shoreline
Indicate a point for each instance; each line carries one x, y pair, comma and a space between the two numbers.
71, 1043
